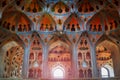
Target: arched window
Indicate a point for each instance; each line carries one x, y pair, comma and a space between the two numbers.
58, 72
110, 70
104, 72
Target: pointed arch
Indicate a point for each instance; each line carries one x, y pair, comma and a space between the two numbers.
110, 48
5, 3
12, 52
58, 71
7, 9
84, 55
105, 20
60, 53
60, 8
103, 38
34, 35
59, 36
33, 6
84, 34
7, 37
15, 23
73, 23
12, 60
115, 35
46, 23
88, 6
110, 69
116, 3
35, 56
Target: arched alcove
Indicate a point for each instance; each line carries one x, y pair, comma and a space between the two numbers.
107, 71
58, 72
35, 56
60, 54
107, 19
90, 6
46, 23
12, 60
12, 22
107, 53
84, 56
104, 72
60, 8
73, 23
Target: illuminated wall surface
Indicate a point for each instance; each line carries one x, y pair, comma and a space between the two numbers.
59, 39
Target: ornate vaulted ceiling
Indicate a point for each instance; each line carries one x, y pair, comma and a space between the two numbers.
70, 16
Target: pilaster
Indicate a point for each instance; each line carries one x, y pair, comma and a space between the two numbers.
94, 61
25, 62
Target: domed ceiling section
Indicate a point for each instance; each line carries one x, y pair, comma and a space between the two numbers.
87, 6
105, 20
32, 6
6, 37
60, 8
46, 23
15, 20
3, 35
73, 23
4, 3
116, 3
